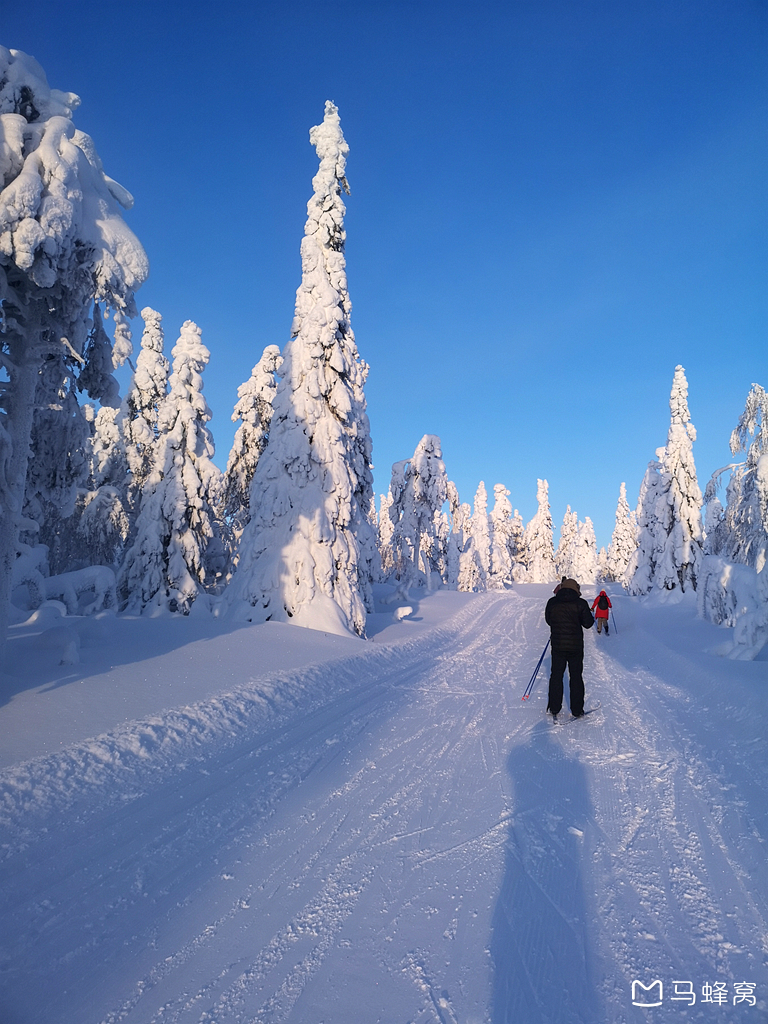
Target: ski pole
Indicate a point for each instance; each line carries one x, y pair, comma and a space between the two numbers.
614, 621
529, 687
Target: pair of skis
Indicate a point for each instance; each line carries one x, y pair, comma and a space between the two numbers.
577, 718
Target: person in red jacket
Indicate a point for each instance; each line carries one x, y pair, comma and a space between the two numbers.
601, 606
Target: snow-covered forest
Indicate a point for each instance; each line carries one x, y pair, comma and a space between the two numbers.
111, 501
209, 816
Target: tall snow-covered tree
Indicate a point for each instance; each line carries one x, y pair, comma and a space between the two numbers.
623, 539
539, 540
641, 569
733, 585
419, 490
481, 532
475, 559
441, 529
454, 541
584, 561
681, 553
740, 531
576, 554
669, 522
254, 411
97, 531
139, 411
63, 244
101, 521
165, 565
108, 462
517, 547
715, 533
454, 507
564, 554
385, 532
61, 448
603, 575
502, 527
308, 553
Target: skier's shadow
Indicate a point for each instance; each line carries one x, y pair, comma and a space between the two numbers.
543, 966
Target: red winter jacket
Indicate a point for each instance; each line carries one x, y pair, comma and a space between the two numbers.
601, 613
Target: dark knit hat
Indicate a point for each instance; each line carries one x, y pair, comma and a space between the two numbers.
571, 585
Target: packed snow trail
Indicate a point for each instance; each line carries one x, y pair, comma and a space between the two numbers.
396, 837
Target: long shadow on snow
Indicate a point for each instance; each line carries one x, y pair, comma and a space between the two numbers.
540, 930
33, 658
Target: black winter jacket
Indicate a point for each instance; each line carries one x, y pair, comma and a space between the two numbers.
567, 615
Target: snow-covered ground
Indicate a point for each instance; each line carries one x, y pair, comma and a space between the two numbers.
209, 823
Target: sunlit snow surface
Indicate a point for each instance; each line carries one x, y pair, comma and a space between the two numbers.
203, 823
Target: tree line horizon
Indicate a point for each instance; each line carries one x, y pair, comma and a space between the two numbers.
289, 531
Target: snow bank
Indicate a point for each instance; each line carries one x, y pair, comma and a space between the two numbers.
118, 765
737, 596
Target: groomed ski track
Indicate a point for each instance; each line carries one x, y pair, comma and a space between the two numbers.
395, 837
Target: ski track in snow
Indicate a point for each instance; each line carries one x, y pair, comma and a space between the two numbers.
396, 839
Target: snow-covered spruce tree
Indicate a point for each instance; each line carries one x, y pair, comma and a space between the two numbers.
539, 540
742, 536
501, 539
63, 244
454, 541
101, 521
680, 557
254, 410
603, 576
623, 540
442, 557
669, 522
470, 578
517, 547
61, 444
716, 537
385, 532
564, 554
584, 565
140, 408
165, 566
95, 534
122, 444
576, 554
733, 584
641, 569
419, 490
308, 553
455, 509
461, 531
475, 559
375, 562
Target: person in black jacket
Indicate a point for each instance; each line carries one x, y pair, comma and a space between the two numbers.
567, 614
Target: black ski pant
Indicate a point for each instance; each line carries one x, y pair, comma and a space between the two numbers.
574, 660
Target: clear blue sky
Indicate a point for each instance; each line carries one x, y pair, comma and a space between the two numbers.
553, 204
